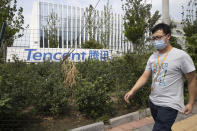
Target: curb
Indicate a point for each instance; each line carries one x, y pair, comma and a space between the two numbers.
99, 126
128, 118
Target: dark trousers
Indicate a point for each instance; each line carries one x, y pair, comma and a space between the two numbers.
164, 117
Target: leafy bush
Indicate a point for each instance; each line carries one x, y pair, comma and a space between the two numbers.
50, 95
14, 86
38, 85
190, 28
119, 75
129, 69
91, 70
192, 47
174, 43
15, 81
92, 44
93, 99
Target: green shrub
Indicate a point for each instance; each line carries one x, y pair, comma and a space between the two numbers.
119, 75
38, 85
14, 94
192, 47
128, 70
174, 43
50, 95
92, 44
14, 86
93, 99
91, 70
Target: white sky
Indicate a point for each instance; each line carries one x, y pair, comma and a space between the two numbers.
175, 6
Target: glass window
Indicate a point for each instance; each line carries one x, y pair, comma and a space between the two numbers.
65, 38
78, 18
121, 39
69, 39
74, 25
41, 39
65, 33
69, 26
60, 11
69, 11
64, 12
40, 8
112, 32
98, 39
44, 22
73, 12
82, 12
55, 9
86, 35
73, 37
82, 25
66, 23
41, 14
118, 33
50, 8
60, 38
78, 25
82, 38
45, 39
45, 10
78, 12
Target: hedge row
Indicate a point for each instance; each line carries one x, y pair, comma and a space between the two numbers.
98, 92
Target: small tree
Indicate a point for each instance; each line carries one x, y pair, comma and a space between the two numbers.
189, 20
105, 21
12, 15
102, 25
90, 16
51, 30
173, 39
138, 22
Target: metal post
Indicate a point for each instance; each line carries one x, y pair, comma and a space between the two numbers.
165, 12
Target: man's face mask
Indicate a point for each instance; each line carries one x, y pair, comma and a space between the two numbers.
159, 44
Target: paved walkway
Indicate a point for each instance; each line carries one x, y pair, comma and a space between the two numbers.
183, 123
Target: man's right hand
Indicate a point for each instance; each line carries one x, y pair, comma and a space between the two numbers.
128, 95
140, 82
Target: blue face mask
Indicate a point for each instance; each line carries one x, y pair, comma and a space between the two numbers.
159, 44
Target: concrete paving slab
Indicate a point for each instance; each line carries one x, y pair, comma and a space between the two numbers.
186, 124
144, 128
124, 119
148, 127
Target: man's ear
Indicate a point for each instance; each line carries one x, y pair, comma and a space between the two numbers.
169, 36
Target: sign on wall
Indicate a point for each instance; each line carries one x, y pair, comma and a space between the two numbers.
56, 54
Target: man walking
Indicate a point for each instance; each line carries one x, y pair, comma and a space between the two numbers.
168, 66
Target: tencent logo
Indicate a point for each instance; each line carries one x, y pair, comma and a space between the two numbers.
35, 55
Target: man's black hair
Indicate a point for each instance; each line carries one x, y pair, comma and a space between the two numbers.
162, 26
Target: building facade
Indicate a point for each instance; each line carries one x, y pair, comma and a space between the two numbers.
72, 28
